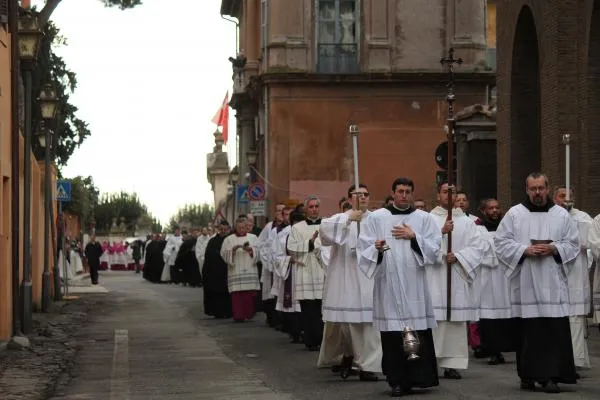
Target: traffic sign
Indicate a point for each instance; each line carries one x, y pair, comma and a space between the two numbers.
63, 191
256, 191
258, 208
441, 156
241, 194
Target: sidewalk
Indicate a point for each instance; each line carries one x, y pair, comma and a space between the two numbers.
30, 369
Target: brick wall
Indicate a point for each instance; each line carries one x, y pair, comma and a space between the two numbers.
530, 139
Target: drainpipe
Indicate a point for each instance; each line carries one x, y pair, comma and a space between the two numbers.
266, 103
13, 12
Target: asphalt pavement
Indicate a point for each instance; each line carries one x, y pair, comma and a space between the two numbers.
154, 342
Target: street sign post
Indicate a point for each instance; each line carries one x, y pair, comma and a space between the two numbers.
258, 208
63, 191
256, 191
63, 194
242, 194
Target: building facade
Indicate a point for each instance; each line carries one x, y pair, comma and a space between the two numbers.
307, 69
548, 86
6, 209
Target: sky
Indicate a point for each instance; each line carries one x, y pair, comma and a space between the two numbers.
150, 80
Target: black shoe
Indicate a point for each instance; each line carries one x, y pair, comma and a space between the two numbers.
367, 376
346, 366
550, 387
526, 384
577, 376
478, 352
336, 369
451, 373
495, 360
397, 392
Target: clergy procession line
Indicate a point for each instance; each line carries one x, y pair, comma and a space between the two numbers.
368, 289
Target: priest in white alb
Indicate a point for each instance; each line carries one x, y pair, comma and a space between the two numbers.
348, 295
240, 253
536, 242
594, 244
303, 247
285, 277
497, 329
465, 257
397, 245
579, 279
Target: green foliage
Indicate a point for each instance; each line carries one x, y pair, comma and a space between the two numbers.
122, 4
84, 199
125, 207
192, 216
71, 131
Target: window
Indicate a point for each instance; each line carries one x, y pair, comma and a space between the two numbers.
337, 33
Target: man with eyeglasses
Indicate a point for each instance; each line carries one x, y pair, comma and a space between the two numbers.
348, 295
536, 241
303, 245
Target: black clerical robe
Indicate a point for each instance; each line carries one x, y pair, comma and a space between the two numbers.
217, 299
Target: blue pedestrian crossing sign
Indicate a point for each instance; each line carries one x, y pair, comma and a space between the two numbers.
242, 194
63, 191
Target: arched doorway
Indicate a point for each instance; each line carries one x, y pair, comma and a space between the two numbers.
525, 135
592, 172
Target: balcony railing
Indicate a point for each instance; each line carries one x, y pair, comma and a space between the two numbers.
338, 58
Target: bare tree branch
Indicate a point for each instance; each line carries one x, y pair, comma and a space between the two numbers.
47, 11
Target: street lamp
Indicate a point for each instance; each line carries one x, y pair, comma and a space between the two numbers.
252, 157
29, 43
48, 101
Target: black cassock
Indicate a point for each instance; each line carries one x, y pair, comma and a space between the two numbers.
186, 263
154, 262
217, 300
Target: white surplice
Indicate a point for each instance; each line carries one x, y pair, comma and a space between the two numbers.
347, 298
264, 243
491, 286
169, 256
282, 269
309, 277
470, 248
400, 294
544, 281
200, 249
579, 290
242, 273
594, 247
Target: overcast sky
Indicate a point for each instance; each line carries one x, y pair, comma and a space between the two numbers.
150, 80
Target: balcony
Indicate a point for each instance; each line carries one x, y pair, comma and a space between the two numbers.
338, 59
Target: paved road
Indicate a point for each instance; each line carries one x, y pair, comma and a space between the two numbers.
155, 343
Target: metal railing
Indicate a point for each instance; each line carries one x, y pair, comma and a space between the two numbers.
337, 58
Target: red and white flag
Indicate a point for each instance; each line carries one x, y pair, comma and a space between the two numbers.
221, 118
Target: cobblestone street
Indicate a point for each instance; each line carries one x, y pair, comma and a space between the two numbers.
153, 342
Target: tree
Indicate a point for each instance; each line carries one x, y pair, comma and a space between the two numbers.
51, 5
193, 216
125, 207
70, 130
84, 199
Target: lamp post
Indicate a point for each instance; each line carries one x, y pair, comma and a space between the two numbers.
234, 180
48, 101
29, 41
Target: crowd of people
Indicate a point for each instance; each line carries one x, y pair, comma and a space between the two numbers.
404, 291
